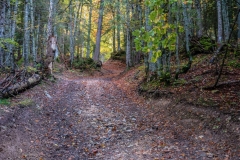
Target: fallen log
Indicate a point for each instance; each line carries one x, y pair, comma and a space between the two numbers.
20, 86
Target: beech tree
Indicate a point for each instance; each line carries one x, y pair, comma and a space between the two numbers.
99, 31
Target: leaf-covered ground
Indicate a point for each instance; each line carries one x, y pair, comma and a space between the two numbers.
102, 117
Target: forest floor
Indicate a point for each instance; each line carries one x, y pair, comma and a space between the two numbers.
101, 116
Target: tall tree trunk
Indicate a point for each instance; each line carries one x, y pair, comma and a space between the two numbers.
186, 27
99, 31
177, 41
8, 33
55, 27
128, 40
238, 4
13, 32
89, 29
26, 34
199, 18
114, 30
71, 28
2, 28
225, 17
34, 54
220, 26
50, 19
118, 26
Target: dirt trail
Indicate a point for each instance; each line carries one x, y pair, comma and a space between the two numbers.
81, 118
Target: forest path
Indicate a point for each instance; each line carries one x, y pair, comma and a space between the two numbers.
81, 118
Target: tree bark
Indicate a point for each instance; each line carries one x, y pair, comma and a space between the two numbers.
26, 34
2, 28
128, 46
225, 17
89, 29
199, 18
99, 31
220, 26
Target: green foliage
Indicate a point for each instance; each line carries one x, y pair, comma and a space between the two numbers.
179, 82
165, 77
20, 62
4, 102
234, 63
31, 69
207, 43
163, 34
4, 41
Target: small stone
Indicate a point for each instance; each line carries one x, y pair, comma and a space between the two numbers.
79, 112
209, 155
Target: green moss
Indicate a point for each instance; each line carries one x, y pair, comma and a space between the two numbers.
179, 82
84, 63
25, 103
151, 85
206, 102
4, 101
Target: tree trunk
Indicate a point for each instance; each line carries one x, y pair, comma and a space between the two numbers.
128, 40
199, 18
177, 41
89, 29
238, 4
34, 54
2, 28
225, 17
50, 19
114, 30
26, 34
118, 26
13, 32
99, 30
220, 26
71, 28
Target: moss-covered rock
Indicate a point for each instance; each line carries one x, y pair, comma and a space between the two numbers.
120, 55
86, 63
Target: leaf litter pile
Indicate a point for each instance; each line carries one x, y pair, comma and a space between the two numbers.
102, 117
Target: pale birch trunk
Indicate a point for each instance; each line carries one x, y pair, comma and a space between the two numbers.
99, 31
